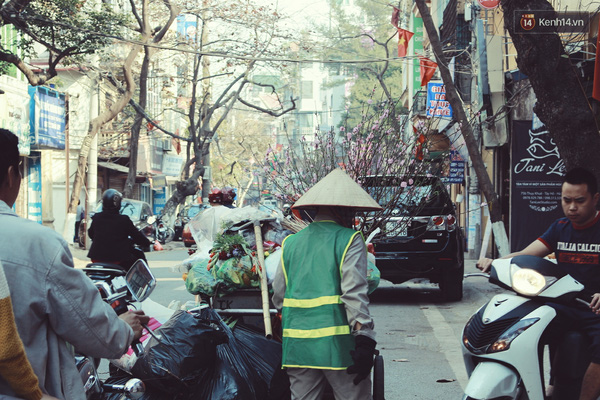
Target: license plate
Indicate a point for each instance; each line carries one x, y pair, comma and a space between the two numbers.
397, 229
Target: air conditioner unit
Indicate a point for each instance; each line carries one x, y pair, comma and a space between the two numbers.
167, 145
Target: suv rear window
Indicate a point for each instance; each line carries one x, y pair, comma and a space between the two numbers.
409, 196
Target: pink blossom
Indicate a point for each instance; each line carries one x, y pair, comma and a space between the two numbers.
410, 181
403, 184
370, 101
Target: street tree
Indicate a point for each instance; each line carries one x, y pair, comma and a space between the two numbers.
365, 34
150, 36
125, 88
243, 137
373, 147
562, 104
232, 41
61, 32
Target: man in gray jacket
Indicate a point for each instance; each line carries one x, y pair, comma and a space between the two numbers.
54, 304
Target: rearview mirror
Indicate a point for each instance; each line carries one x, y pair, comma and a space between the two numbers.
140, 280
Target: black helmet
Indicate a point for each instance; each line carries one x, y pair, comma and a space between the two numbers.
111, 200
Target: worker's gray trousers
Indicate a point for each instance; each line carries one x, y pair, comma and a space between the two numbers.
310, 384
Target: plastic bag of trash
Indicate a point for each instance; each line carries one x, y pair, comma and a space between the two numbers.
246, 365
200, 280
271, 264
186, 349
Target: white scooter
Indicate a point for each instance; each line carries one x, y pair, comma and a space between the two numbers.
503, 342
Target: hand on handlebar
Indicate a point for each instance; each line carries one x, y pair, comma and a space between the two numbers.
595, 303
135, 319
484, 264
48, 397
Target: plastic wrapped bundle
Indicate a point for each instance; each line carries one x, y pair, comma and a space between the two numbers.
200, 280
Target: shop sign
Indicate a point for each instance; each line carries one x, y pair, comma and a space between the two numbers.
159, 201
172, 165
536, 181
437, 105
47, 117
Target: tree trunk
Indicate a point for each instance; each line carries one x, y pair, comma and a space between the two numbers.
561, 104
97, 123
136, 127
467, 132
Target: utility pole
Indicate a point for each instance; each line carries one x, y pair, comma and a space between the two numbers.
467, 132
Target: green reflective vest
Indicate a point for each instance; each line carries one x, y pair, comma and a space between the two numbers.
316, 333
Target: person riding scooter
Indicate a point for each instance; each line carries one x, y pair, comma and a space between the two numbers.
113, 234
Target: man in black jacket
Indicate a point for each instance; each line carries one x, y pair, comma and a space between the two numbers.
113, 234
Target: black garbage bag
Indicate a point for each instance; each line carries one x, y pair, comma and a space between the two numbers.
245, 367
186, 350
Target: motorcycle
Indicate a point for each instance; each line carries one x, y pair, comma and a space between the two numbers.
503, 342
164, 233
119, 289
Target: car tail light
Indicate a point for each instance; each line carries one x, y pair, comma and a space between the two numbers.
451, 221
436, 223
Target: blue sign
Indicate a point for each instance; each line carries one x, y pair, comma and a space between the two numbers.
47, 117
186, 27
34, 188
456, 173
159, 201
437, 105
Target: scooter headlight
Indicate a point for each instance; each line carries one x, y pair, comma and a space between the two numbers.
529, 282
506, 338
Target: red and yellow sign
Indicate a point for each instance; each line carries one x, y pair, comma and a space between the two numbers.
527, 21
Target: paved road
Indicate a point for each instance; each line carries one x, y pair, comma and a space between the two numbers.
418, 334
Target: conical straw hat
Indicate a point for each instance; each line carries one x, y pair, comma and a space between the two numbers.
337, 189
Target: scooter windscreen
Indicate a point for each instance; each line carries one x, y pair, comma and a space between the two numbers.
532, 276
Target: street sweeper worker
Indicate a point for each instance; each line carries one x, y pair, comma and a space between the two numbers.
321, 289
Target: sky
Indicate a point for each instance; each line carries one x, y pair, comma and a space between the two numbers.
300, 11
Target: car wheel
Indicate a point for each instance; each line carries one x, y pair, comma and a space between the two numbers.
451, 284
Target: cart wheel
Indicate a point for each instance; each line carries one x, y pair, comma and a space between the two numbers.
378, 378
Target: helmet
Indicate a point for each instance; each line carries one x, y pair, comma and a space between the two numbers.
228, 195
215, 196
111, 200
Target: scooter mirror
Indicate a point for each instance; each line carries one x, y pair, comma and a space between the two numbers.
140, 280
151, 219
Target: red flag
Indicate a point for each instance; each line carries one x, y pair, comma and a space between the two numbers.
395, 17
177, 144
427, 69
404, 37
596, 91
419, 148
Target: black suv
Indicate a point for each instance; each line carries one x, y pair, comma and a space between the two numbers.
419, 235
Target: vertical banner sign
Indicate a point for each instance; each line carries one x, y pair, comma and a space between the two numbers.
437, 105
34, 188
47, 117
418, 49
160, 199
536, 180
